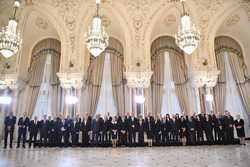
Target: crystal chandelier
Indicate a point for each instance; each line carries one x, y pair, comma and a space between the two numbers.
10, 40
97, 39
187, 37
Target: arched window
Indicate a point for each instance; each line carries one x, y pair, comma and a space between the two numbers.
105, 84
169, 80
44, 89
231, 92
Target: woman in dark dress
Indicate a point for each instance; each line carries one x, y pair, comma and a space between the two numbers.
239, 125
183, 131
199, 129
123, 133
157, 131
191, 131
114, 130
208, 129
141, 128
149, 123
174, 130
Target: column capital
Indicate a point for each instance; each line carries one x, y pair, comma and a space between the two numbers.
9, 81
140, 79
69, 80
204, 78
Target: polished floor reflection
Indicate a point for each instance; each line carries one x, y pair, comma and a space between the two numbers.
195, 156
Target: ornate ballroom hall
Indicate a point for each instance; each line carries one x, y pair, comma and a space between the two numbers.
139, 58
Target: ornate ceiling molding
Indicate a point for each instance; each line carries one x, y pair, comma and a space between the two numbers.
41, 23
232, 20
28, 2
246, 7
68, 10
106, 21
204, 78
71, 80
170, 20
9, 81
138, 79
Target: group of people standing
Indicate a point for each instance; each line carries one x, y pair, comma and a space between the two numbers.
124, 131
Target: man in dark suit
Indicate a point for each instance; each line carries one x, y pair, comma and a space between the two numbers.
33, 131
164, 130
108, 126
76, 131
123, 132
68, 126
51, 132
83, 128
132, 129
63, 134
157, 131
94, 130
43, 130
58, 132
9, 127
231, 128
23, 124
100, 123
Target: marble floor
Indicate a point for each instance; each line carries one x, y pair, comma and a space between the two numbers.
189, 156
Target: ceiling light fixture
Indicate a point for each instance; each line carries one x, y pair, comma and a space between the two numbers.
187, 37
10, 40
97, 39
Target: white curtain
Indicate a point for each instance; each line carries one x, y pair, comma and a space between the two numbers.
106, 103
43, 104
170, 103
233, 100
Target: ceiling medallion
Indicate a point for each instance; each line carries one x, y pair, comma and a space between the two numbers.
170, 20
187, 37
97, 39
232, 20
41, 23
105, 21
10, 40
28, 2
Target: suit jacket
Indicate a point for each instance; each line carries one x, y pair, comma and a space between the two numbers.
10, 122
77, 126
68, 126
33, 127
43, 127
133, 124
100, 125
23, 123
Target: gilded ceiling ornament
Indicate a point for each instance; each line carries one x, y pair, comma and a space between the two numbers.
170, 20
246, 7
41, 23
232, 20
207, 9
28, 2
209, 5
5, 4
72, 42
204, 21
68, 10
138, 9
106, 1
137, 23
105, 21
70, 22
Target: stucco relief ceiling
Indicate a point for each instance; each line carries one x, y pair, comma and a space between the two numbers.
136, 13
237, 26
